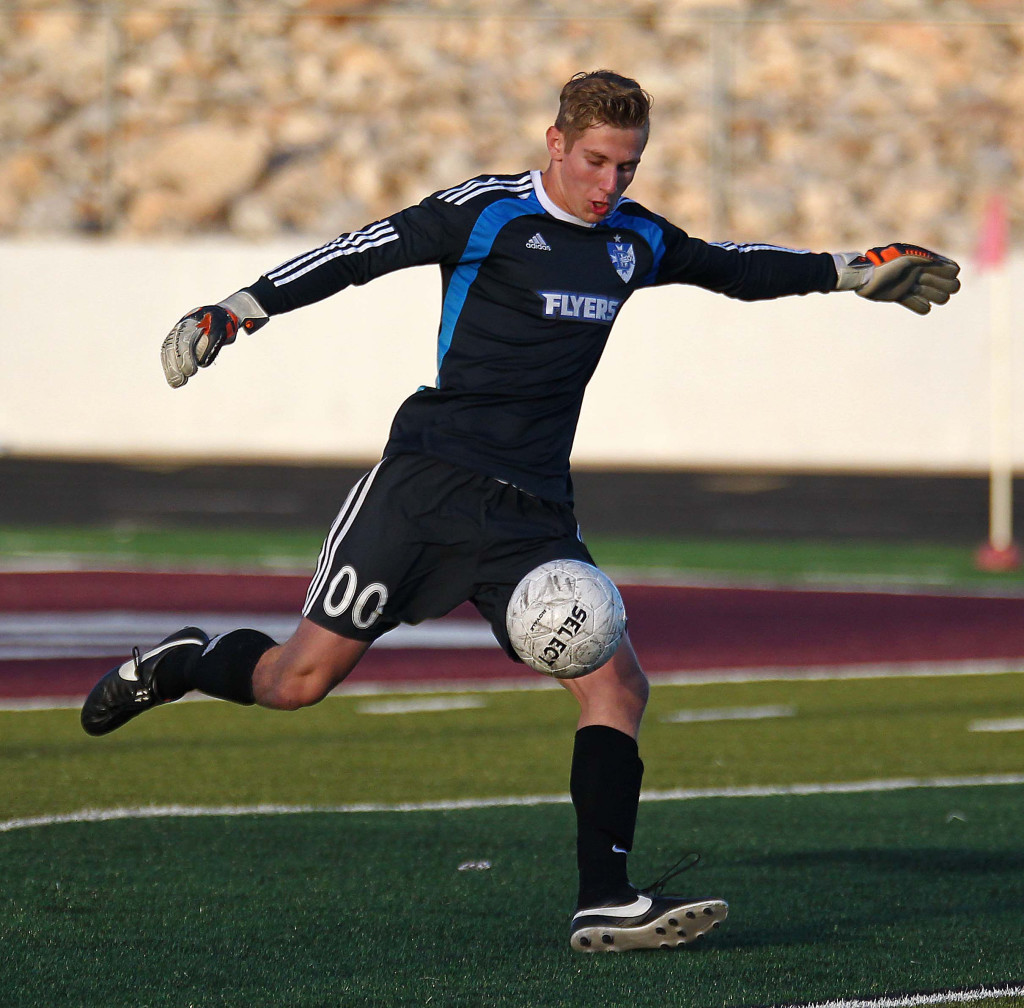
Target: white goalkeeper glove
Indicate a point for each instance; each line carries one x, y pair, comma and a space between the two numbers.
196, 340
909, 274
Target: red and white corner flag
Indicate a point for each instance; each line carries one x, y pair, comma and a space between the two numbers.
994, 236
1000, 553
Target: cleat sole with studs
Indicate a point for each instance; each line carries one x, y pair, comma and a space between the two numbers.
664, 931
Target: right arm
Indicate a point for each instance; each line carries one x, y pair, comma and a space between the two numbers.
417, 236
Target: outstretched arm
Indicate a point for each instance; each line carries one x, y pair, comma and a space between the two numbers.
908, 274
426, 233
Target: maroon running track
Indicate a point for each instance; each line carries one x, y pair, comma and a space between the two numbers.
675, 629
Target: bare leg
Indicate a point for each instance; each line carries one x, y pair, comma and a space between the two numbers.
615, 695
304, 669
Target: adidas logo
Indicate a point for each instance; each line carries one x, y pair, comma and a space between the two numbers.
537, 242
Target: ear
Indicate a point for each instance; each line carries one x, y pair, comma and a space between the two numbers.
556, 143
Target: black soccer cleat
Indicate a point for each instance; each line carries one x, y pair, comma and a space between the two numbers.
649, 922
128, 690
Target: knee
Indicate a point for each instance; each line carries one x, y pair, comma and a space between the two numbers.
627, 677
630, 691
639, 690
616, 694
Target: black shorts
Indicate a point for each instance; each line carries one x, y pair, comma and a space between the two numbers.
417, 537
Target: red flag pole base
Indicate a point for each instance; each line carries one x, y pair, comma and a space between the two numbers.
995, 559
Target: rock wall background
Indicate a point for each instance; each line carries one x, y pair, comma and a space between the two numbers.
822, 124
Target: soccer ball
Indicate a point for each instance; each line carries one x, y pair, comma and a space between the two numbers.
565, 619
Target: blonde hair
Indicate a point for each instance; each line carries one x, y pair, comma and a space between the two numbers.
601, 98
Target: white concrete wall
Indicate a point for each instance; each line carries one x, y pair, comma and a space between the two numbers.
689, 378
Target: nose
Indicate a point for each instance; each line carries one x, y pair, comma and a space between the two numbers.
609, 180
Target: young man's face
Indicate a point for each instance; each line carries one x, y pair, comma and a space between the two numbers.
588, 178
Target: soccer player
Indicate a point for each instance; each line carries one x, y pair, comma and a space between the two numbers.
473, 491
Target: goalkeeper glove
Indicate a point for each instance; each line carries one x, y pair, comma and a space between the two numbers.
909, 274
196, 340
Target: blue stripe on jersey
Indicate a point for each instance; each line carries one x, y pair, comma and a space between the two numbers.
652, 235
486, 229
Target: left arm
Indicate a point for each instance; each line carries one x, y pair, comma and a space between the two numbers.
746, 272
908, 274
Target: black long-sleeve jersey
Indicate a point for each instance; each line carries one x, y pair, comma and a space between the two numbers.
529, 297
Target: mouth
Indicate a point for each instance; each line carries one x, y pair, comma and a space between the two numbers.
599, 207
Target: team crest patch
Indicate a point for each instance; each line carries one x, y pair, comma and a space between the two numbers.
623, 259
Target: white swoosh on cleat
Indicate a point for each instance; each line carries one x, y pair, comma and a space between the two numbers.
127, 671
639, 906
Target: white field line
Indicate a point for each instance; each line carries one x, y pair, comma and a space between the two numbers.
508, 801
913, 1000
54, 635
1010, 724
704, 677
421, 705
698, 715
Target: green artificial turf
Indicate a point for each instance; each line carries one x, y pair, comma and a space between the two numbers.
514, 743
831, 896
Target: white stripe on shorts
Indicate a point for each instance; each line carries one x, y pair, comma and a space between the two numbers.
347, 515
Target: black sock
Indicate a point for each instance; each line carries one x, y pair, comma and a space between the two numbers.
605, 788
172, 678
222, 669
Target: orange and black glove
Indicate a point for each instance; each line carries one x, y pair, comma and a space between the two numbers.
908, 274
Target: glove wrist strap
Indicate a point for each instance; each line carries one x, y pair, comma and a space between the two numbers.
853, 271
246, 309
